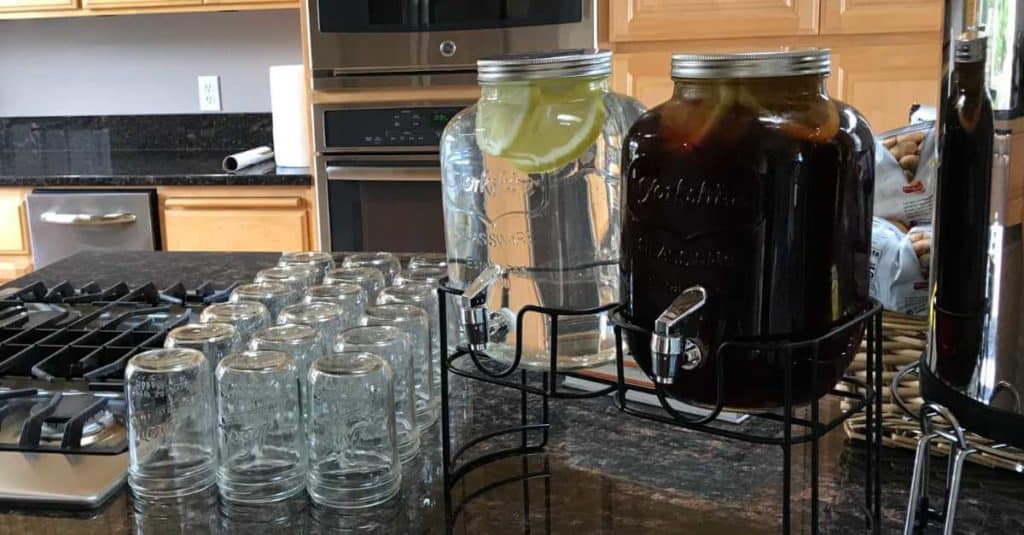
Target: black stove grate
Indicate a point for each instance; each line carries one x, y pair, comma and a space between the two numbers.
89, 332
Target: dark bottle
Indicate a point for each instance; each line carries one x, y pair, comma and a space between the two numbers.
962, 216
747, 203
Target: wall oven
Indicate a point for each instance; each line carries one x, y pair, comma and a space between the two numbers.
371, 39
378, 175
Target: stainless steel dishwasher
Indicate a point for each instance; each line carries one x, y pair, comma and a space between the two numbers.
62, 222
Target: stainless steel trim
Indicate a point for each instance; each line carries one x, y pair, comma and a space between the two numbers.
384, 174
421, 52
86, 220
753, 64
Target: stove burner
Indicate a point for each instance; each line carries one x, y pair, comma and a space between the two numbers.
90, 332
54, 430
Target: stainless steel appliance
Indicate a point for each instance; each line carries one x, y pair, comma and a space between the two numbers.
64, 222
378, 176
973, 370
63, 350
380, 41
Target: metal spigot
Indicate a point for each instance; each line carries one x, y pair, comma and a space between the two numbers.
670, 351
476, 320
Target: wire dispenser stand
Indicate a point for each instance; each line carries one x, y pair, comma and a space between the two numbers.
788, 428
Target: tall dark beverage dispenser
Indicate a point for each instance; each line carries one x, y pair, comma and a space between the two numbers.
747, 203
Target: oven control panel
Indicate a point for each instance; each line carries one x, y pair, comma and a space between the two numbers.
385, 127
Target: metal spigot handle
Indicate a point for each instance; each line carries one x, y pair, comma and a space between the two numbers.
670, 352
477, 289
685, 305
474, 314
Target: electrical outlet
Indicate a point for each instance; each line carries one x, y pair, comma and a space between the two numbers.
209, 93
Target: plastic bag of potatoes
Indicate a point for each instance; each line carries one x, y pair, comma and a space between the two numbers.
905, 171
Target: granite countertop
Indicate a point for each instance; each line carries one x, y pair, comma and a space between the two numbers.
138, 168
602, 471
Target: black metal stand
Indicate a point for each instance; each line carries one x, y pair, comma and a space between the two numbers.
533, 436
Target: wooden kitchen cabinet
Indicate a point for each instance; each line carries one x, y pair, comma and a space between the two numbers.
653, 20
883, 81
115, 4
237, 219
880, 16
15, 254
13, 6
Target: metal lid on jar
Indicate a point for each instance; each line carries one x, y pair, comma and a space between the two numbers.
545, 65
752, 64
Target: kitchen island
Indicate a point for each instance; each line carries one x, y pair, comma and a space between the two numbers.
603, 471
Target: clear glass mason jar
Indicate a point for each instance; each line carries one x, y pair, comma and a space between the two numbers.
370, 279
531, 183
319, 262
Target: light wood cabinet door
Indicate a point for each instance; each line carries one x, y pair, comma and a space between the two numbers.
236, 224
12, 6
653, 20
880, 16
884, 81
118, 4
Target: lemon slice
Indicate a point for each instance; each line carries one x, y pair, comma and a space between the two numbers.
542, 126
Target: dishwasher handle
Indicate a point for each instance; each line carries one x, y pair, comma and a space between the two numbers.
114, 218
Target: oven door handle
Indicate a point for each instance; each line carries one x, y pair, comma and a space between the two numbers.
384, 174
114, 218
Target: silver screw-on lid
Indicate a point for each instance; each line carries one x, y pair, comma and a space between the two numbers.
545, 65
752, 64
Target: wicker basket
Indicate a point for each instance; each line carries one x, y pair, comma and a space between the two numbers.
903, 340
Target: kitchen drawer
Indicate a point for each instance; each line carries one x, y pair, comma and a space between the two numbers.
236, 224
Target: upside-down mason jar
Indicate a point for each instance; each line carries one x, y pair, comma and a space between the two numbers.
747, 204
531, 185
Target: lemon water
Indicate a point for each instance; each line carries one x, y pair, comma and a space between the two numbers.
531, 183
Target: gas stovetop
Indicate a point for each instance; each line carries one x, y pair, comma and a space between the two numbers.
63, 351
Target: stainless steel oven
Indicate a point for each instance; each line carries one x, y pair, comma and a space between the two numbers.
378, 176
371, 39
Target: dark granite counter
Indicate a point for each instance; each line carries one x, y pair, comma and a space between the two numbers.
39, 168
602, 472
158, 150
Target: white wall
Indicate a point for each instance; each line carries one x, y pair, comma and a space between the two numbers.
142, 64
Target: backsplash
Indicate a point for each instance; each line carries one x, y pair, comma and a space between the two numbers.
227, 131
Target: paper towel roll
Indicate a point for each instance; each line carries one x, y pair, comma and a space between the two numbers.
290, 115
241, 160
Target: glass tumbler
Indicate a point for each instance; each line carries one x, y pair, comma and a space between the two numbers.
392, 345
302, 342
412, 321
259, 427
387, 263
350, 432
247, 317
424, 296
299, 278
214, 340
437, 260
171, 428
426, 274
371, 279
326, 318
350, 297
273, 295
321, 263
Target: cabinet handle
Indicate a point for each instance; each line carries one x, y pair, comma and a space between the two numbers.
115, 218
233, 203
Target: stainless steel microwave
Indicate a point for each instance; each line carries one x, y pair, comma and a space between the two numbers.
352, 38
